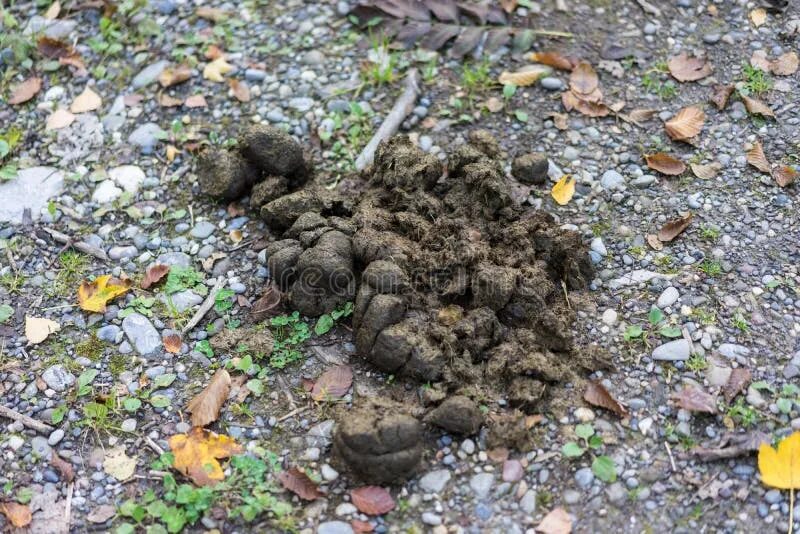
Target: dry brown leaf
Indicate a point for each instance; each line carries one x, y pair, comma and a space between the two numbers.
665, 164
53, 11
674, 228
553, 59
93, 296
361, 527
205, 406
596, 394
300, 484
720, 94
196, 101
241, 91
76, 61
38, 328
60, 118
175, 75
24, 91
101, 514
172, 343
784, 175
118, 464
19, 515
267, 304
757, 107
53, 48
372, 500
590, 109
686, 124
333, 383
66, 469
686, 68
557, 521
197, 453
524, 77
88, 100
737, 382
213, 14
638, 116
509, 5
694, 399
706, 172
731, 446
758, 16
785, 65
655, 244
760, 60
757, 158
213, 52
560, 120
583, 80
167, 101
216, 69
154, 274
494, 104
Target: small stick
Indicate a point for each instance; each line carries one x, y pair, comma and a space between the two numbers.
293, 412
68, 505
671, 459
207, 305
649, 8
402, 107
81, 246
153, 445
29, 422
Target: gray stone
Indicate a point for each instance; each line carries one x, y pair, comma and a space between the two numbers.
584, 477
40, 447
481, 484
58, 378
55, 437
435, 481
175, 259
528, 502
598, 246
733, 351
108, 333
203, 229
183, 300
334, 527
128, 177
141, 333
551, 84
146, 136
612, 180
431, 519
121, 253
31, 189
673, 351
149, 74
668, 297
128, 425
106, 192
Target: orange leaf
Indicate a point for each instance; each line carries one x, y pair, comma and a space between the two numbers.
686, 124
196, 101
674, 228
333, 383
583, 80
175, 75
686, 68
53, 48
93, 296
172, 343
665, 164
597, 395
553, 59
785, 65
206, 405
784, 175
563, 190
241, 91
18, 514
524, 77
154, 274
299, 483
372, 500
780, 468
24, 91
720, 94
196, 454
756, 158
706, 172
757, 107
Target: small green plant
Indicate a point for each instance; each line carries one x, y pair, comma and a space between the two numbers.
696, 363
788, 398
384, 70
704, 317
290, 333
739, 321
73, 266
183, 278
9, 140
603, 467
476, 79
141, 305
756, 81
709, 233
351, 131
656, 81
656, 324
743, 413
223, 300
711, 268
328, 320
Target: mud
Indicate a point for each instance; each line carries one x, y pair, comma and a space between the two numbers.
454, 284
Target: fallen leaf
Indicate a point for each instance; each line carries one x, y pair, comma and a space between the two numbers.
241, 91
590, 109
525, 77
66, 469
215, 70
785, 65
583, 80
300, 484
53, 11
205, 406
38, 328
167, 101
154, 274
563, 190
706, 171
361, 527
267, 304
132, 100
171, 152
118, 464
557, 521
758, 16
686, 68
76, 61
214, 52
731, 446
214, 14
780, 468
665, 164
757, 158
195, 101
552, 59
333, 383
638, 116
494, 104
60, 118
720, 94
53, 48
686, 124
674, 228
757, 107
101, 514
784, 175
88, 100
236, 236
597, 395
175, 75
372, 500
694, 399
560, 120
172, 343
197, 453
508, 5
760, 60
18, 514
25, 90
93, 296
655, 244
737, 381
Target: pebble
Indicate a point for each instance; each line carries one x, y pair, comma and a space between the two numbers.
481, 484
58, 378
672, 351
528, 502
149, 74
668, 297
612, 180
584, 477
435, 481
203, 229
334, 527
55, 437
609, 317
141, 333
146, 136
431, 519
551, 84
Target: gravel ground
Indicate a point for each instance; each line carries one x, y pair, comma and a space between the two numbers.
121, 178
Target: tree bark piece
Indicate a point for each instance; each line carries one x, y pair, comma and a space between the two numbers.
29, 422
80, 246
207, 304
402, 107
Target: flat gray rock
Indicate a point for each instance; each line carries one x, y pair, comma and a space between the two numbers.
674, 351
142, 334
58, 378
149, 74
32, 189
435, 481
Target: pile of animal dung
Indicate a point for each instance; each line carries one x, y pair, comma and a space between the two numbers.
454, 284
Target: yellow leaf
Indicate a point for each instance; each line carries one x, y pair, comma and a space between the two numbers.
197, 452
18, 514
88, 100
214, 70
38, 328
524, 77
781, 468
564, 190
118, 464
93, 296
758, 16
